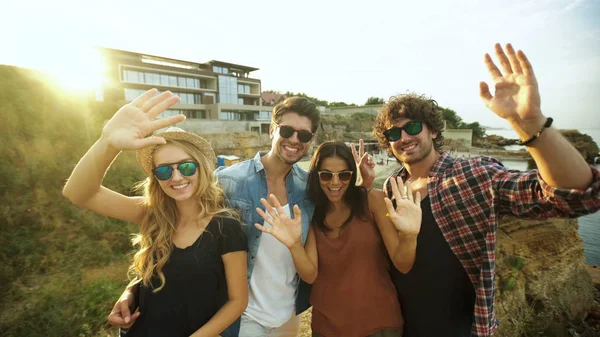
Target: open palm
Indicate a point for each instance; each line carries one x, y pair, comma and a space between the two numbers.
128, 128
517, 96
285, 229
406, 217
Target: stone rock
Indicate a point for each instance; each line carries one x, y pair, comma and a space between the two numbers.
542, 286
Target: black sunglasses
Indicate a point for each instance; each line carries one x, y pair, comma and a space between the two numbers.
342, 175
411, 128
287, 131
165, 172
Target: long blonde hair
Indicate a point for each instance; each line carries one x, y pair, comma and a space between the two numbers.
155, 239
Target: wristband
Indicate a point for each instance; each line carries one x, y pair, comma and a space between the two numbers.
535, 136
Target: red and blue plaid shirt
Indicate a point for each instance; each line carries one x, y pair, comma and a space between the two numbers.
467, 197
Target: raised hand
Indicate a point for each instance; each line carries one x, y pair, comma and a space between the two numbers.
127, 129
288, 231
364, 164
517, 96
407, 215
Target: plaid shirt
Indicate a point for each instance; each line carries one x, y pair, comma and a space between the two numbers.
468, 195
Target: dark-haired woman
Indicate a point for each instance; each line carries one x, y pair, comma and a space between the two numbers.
345, 255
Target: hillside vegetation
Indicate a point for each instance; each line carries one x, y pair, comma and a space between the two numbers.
61, 267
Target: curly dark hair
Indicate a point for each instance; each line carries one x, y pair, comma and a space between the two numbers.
300, 105
414, 107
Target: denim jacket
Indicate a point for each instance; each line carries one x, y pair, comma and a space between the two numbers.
244, 184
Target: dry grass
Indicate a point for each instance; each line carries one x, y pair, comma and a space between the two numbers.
305, 318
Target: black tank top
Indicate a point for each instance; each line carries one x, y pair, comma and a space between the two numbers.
437, 296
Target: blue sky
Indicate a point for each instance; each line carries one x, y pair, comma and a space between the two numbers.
336, 50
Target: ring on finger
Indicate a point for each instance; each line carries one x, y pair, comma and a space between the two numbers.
404, 197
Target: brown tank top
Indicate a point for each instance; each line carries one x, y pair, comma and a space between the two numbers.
353, 295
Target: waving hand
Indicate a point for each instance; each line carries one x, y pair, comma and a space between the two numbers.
127, 129
517, 96
285, 229
407, 215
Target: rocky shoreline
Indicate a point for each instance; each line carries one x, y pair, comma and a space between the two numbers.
593, 319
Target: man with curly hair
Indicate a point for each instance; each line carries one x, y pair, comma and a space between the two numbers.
450, 289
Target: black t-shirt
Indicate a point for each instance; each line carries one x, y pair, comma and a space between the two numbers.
195, 287
437, 296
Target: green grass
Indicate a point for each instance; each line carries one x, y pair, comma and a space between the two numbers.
55, 258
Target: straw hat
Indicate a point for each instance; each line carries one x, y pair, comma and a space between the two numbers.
144, 155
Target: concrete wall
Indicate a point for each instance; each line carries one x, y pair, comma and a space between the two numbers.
465, 136
348, 111
203, 126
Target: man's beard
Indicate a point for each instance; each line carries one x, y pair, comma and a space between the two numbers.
424, 154
287, 161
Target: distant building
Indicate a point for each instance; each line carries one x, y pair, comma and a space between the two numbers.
271, 98
216, 96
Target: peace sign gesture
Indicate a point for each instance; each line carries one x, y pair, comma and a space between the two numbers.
127, 129
407, 215
285, 229
364, 164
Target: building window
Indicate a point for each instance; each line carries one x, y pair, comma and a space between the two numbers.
169, 113
220, 70
152, 78
189, 82
194, 114
163, 79
264, 116
187, 98
129, 76
131, 94
183, 98
133, 76
243, 88
228, 90
229, 116
191, 114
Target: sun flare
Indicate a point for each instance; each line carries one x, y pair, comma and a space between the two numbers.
80, 70
74, 69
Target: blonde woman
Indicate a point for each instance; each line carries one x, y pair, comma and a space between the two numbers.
191, 262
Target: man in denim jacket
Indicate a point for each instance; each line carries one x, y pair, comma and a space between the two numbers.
277, 295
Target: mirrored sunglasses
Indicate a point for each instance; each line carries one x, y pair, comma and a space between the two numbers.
165, 172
